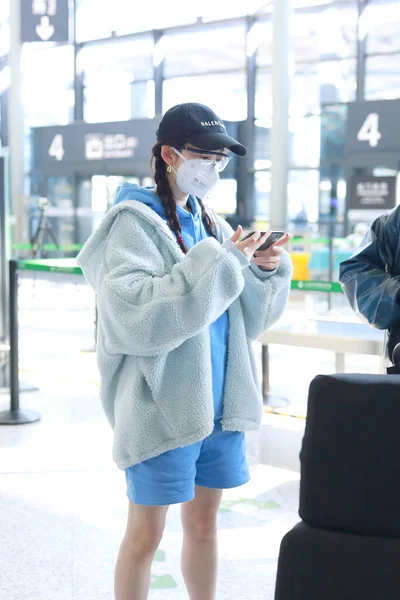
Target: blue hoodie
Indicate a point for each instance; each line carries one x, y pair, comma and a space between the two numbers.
193, 231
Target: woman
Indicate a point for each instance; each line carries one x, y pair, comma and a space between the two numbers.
180, 300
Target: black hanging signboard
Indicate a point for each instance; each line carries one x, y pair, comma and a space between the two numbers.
44, 21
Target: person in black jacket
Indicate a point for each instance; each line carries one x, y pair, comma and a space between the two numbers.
371, 277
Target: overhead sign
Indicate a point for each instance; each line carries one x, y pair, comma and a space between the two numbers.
373, 126
83, 143
90, 142
370, 197
98, 146
44, 21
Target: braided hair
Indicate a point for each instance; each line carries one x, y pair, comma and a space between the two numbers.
165, 194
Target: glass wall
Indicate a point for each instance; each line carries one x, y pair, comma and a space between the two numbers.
323, 72
380, 26
207, 66
201, 53
95, 19
206, 50
116, 79
47, 84
226, 94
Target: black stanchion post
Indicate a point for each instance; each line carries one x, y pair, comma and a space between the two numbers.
269, 399
15, 416
14, 350
331, 260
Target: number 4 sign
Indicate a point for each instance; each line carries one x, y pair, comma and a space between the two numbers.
369, 131
57, 147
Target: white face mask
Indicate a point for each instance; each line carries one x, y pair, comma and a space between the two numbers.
196, 176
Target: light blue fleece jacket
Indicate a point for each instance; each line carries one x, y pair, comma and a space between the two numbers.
155, 308
193, 231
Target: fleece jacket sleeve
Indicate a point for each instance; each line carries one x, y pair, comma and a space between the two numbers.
265, 296
265, 293
144, 311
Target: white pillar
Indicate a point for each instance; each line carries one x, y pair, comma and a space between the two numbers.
16, 127
280, 117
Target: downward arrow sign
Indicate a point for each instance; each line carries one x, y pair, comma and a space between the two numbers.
45, 30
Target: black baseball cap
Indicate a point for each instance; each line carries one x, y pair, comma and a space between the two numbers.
199, 125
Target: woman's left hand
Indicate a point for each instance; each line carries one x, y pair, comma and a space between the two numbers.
269, 259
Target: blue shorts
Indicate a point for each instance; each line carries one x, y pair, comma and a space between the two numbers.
219, 462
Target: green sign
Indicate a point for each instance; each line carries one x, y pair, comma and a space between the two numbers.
316, 286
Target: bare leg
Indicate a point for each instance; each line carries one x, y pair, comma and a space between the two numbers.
143, 534
199, 552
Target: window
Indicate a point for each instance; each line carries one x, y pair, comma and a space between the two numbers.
225, 94
116, 79
204, 51
333, 131
380, 23
264, 52
382, 81
305, 90
129, 58
97, 19
312, 84
305, 135
262, 195
104, 103
263, 102
262, 153
303, 194
323, 33
327, 33
47, 85
5, 35
4, 11
142, 100
322, 83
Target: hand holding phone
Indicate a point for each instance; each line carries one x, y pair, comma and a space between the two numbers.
260, 247
273, 237
250, 245
267, 256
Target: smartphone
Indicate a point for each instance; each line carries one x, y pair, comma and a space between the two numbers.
272, 238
